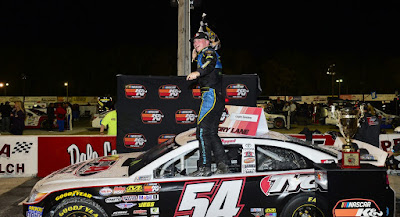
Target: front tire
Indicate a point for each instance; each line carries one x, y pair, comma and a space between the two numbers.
78, 207
279, 123
305, 206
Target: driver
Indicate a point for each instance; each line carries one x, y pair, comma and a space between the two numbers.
209, 75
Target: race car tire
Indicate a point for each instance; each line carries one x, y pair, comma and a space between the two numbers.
279, 123
305, 205
78, 207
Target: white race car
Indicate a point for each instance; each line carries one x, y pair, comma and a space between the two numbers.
270, 175
97, 118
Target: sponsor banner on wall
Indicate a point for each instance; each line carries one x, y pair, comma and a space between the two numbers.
58, 152
18, 156
387, 142
150, 107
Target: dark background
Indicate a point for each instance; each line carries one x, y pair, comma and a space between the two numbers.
289, 44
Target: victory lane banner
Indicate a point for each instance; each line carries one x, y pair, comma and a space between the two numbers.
151, 107
18, 156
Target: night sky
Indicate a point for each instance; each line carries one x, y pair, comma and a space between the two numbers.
289, 44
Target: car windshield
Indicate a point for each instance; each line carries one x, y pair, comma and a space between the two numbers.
151, 155
37, 112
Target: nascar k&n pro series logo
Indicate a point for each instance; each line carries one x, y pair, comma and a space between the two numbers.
357, 207
185, 116
236, 91
134, 140
135, 91
151, 116
196, 93
169, 91
165, 137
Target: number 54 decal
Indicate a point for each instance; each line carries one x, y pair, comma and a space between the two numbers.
211, 198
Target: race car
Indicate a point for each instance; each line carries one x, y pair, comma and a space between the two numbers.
36, 119
270, 175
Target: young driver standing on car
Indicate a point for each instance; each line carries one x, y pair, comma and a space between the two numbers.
209, 75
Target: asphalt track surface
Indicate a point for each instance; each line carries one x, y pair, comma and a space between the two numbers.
15, 190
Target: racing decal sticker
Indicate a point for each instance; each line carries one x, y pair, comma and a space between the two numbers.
131, 198
76, 193
125, 205
113, 199
196, 93
140, 212
119, 190
134, 189
146, 204
154, 210
34, 211
165, 137
236, 91
169, 91
211, 198
185, 116
120, 213
151, 188
249, 158
257, 212
152, 116
135, 91
356, 207
287, 183
106, 191
270, 212
134, 140
97, 165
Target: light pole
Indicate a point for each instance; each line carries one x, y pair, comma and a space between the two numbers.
339, 81
1, 85
5, 89
66, 85
331, 71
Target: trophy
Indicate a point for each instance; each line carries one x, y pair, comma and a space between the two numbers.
348, 125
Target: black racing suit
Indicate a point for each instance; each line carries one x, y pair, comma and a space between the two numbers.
213, 103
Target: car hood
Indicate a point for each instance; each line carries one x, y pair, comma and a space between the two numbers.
107, 170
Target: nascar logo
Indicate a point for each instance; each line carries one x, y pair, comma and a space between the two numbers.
185, 116
134, 140
236, 91
135, 91
151, 116
169, 92
165, 137
357, 207
196, 93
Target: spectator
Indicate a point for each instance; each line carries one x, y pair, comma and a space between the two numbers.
292, 111
75, 112
5, 114
18, 119
111, 120
69, 116
60, 115
50, 117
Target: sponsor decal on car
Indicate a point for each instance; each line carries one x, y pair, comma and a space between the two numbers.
34, 211
120, 213
151, 188
130, 198
185, 116
125, 205
77, 193
135, 91
146, 204
151, 116
154, 210
196, 93
257, 212
134, 189
165, 137
97, 165
357, 207
236, 91
287, 183
140, 212
106, 191
113, 199
119, 190
211, 198
270, 212
228, 141
248, 159
134, 140
169, 91
142, 178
